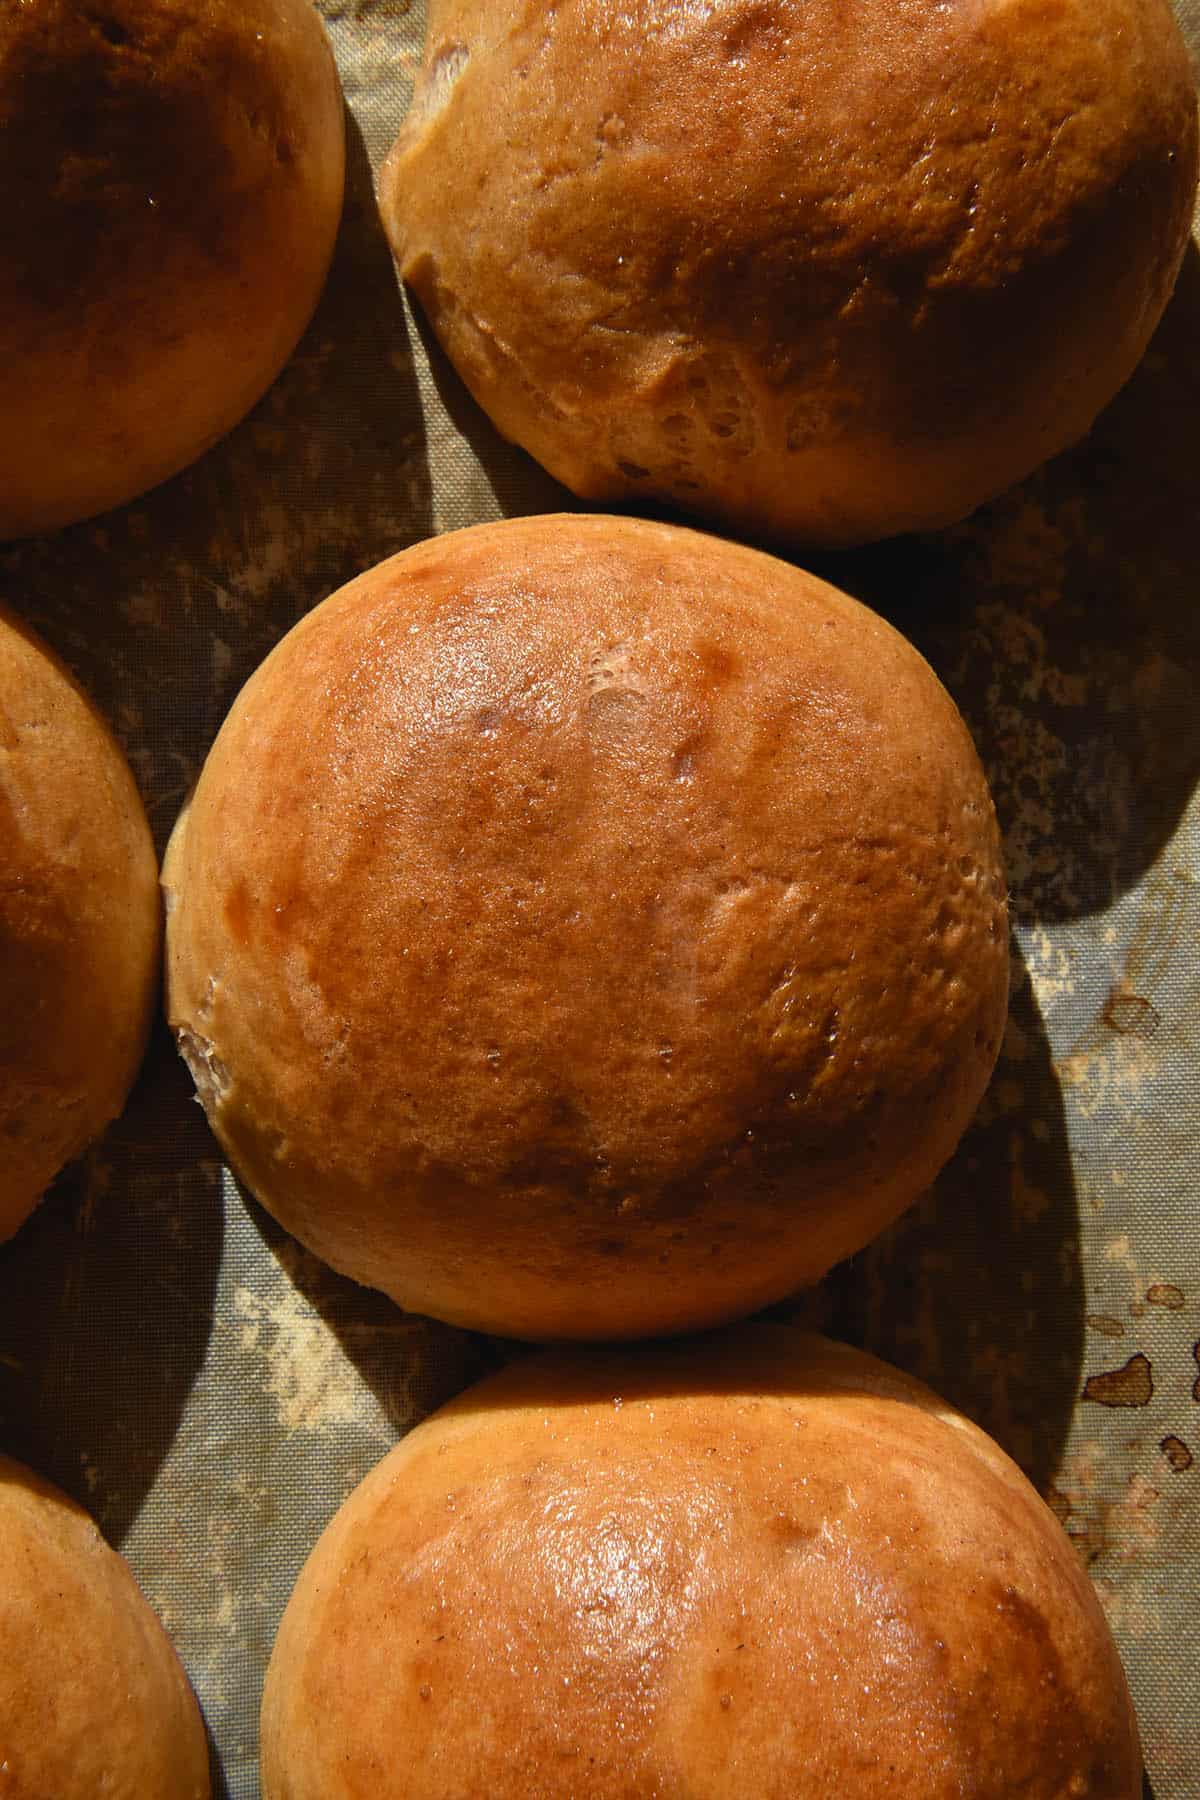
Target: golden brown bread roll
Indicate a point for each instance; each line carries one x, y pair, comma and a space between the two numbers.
588, 928
92, 1698
760, 1564
79, 922
820, 271
172, 188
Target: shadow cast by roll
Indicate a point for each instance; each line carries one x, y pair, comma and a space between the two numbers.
106, 1302
519, 485
411, 1364
978, 1290
1062, 618
165, 607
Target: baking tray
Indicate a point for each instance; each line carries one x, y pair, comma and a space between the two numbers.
212, 1392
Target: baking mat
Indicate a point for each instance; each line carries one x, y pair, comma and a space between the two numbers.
212, 1393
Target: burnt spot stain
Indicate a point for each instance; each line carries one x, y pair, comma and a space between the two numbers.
1165, 1293
1196, 1383
1106, 1325
237, 913
719, 663
1023, 1618
1055, 1736
1130, 1015
1177, 1454
1130, 1385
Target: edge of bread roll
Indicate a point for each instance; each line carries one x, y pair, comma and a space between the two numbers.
753, 1563
817, 273
93, 1699
587, 927
79, 922
163, 246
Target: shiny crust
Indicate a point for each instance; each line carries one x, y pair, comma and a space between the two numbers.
583, 927
92, 1698
823, 272
172, 188
79, 922
761, 1564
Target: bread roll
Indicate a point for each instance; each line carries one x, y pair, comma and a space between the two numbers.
820, 270
92, 1698
762, 1564
172, 188
79, 922
587, 928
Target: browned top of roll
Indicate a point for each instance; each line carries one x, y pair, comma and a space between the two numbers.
172, 184
823, 271
92, 1698
760, 1564
599, 907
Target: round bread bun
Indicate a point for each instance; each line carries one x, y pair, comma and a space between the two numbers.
821, 272
588, 928
172, 189
79, 922
762, 1564
92, 1698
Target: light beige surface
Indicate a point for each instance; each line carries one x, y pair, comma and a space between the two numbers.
588, 928
760, 1564
79, 922
822, 272
93, 1702
172, 188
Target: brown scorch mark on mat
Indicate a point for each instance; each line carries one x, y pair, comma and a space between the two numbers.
1131, 1015
1165, 1293
1177, 1454
1106, 1325
1130, 1385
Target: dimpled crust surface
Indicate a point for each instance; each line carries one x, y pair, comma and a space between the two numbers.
759, 1564
172, 187
93, 1701
79, 922
586, 927
821, 271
